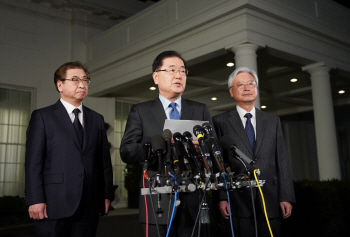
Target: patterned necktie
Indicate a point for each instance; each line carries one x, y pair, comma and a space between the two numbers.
77, 126
174, 114
250, 131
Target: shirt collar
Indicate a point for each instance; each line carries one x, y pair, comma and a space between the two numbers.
69, 107
242, 112
166, 102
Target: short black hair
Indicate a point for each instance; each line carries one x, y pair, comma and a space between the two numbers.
158, 61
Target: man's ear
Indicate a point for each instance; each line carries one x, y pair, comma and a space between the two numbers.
155, 78
59, 86
230, 90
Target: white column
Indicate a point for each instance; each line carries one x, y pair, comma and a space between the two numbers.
326, 139
245, 56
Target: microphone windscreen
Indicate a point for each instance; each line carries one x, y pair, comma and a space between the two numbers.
177, 136
197, 130
226, 142
187, 135
158, 142
206, 125
167, 134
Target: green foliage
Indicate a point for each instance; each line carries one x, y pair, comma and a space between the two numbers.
13, 211
322, 209
133, 174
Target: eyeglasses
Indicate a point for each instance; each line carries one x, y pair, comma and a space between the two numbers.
242, 85
183, 72
77, 80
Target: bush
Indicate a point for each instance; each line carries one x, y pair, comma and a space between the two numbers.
133, 174
13, 211
322, 209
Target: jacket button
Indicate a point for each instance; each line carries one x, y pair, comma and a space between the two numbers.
81, 175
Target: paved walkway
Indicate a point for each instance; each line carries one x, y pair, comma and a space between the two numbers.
121, 222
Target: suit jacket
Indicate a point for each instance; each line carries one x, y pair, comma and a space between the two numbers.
271, 158
145, 120
56, 167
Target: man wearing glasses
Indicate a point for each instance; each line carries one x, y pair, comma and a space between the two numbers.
259, 135
146, 119
68, 171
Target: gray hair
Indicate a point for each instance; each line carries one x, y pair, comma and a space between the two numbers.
240, 70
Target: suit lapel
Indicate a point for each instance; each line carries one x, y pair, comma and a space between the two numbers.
158, 112
260, 129
186, 110
87, 126
63, 118
236, 123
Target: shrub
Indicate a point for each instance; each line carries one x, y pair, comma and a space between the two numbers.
13, 211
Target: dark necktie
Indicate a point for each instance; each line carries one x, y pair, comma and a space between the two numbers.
250, 131
174, 114
77, 126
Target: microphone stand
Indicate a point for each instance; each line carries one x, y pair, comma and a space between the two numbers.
204, 216
204, 221
252, 196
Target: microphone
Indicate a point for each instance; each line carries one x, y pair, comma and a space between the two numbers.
167, 137
214, 146
198, 131
147, 154
192, 150
175, 156
158, 145
227, 143
181, 148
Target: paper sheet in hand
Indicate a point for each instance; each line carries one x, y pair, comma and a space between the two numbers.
182, 126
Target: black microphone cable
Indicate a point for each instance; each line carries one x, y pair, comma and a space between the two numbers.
200, 205
254, 211
154, 213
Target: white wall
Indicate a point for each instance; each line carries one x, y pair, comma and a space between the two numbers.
106, 107
35, 40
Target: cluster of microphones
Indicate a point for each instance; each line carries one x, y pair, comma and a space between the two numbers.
196, 167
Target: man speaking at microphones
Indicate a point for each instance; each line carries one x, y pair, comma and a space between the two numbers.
259, 136
169, 72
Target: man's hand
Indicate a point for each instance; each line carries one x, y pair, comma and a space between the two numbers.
107, 205
223, 207
37, 211
286, 208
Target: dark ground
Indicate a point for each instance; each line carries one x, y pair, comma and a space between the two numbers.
109, 226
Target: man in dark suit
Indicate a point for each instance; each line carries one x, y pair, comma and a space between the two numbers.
145, 120
68, 172
259, 135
